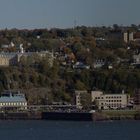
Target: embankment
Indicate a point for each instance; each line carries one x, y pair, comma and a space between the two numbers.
72, 116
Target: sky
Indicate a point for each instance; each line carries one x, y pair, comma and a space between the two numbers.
32, 14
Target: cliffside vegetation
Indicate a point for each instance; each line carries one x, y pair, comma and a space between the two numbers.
44, 84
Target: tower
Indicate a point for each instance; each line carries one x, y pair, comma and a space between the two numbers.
21, 48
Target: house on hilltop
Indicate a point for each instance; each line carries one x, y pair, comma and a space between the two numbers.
14, 58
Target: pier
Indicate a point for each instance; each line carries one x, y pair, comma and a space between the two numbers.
65, 112
45, 112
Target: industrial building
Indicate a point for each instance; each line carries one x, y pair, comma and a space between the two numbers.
109, 101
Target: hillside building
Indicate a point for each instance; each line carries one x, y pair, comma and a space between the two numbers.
10, 59
109, 101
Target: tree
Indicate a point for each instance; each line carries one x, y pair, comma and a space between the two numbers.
86, 100
80, 85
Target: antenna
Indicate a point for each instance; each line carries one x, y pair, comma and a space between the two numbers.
75, 23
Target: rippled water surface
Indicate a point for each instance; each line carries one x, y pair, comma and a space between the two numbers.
62, 130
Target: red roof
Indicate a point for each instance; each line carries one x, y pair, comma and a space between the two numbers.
137, 35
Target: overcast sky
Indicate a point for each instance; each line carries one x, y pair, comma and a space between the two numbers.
63, 13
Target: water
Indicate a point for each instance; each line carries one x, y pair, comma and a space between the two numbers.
59, 130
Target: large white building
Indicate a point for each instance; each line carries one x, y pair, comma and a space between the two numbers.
109, 101
13, 58
13, 99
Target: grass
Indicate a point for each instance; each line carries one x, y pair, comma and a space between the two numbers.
120, 112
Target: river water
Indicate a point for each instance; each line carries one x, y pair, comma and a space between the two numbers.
63, 130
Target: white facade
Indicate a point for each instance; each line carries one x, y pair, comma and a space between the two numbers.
13, 104
95, 95
7, 59
98, 63
109, 101
125, 36
128, 36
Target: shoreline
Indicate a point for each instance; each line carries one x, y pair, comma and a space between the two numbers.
71, 116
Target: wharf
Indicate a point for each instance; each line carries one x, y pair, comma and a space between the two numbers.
66, 113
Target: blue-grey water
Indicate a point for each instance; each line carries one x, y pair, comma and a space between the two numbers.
60, 130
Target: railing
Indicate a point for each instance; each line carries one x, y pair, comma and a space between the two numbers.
36, 108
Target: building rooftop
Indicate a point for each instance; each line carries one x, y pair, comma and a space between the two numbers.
12, 97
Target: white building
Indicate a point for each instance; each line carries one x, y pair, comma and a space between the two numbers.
13, 99
128, 37
125, 36
99, 63
13, 58
109, 101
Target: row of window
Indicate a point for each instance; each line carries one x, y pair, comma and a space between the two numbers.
113, 106
117, 104
109, 97
113, 97
113, 100
13, 104
99, 98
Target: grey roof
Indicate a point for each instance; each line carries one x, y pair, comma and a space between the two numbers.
12, 99
13, 54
